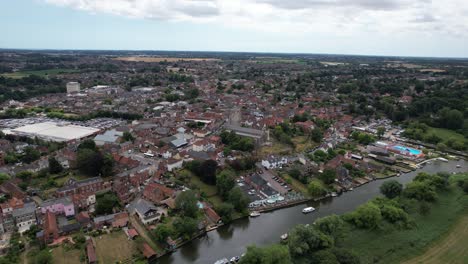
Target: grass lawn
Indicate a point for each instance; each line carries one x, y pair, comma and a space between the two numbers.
451, 248
209, 190
393, 245
60, 255
275, 148
114, 247
42, 73
445, 133
302, 143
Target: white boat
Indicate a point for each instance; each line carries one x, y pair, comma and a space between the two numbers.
284, 236
334, 194
442, 159
254, 214
308, 210
458, 166
350, 189
222, 261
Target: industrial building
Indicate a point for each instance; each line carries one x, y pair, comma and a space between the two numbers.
60, 132
73, 87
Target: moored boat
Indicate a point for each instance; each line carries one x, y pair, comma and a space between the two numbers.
284, 236
308, 210
254, 214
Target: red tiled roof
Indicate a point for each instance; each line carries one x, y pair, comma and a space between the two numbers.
148, 252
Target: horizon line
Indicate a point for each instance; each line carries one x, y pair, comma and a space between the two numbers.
227, 51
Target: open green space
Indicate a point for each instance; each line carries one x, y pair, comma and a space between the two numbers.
42, 73
451, 248
62, 255
445, 134
391, 245
114, 247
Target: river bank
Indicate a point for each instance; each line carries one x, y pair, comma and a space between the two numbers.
232, 239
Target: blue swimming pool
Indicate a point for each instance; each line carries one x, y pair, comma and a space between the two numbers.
411, 151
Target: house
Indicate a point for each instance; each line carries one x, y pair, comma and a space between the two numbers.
120, 220
83, 218
274, 162
50, 228
146, 211
147, 251
13, 203
132, 233
83, 201
202, 145
212, 216
62, 205
86, 186
25, 217
91, 252
156, 192
109, 137
173, 164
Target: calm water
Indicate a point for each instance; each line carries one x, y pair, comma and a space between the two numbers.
232, 240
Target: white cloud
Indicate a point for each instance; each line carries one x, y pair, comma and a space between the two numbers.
293, 17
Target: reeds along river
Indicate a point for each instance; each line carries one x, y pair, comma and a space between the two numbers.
232, 240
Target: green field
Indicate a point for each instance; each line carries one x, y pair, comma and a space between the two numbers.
42, 73
445, 134
61, 255
451, 248
114, 247
390, 245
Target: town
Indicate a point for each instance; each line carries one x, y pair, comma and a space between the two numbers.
126, 156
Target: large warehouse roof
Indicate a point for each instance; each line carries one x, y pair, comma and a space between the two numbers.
55, 131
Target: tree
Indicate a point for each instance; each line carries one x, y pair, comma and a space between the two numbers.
42, 257
421, 191
380, 131
304, 240
162, 232
207, 171
316, 135
54, 166
107, 165
185, 226
274, 254
328, 176
30, 154
127, 136
345, 256
4, 177
315, 189
225, 181
24, 175
332, 226
225, 210
391, 189
89, 161
237, 198
366, 216
187, 203
105, 203
324, 257
87, 144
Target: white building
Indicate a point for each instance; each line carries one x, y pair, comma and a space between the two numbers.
73, 87
274, 162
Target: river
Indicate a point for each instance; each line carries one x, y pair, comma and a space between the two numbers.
232, 240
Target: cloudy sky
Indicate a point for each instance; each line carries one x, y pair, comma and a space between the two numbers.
369, 27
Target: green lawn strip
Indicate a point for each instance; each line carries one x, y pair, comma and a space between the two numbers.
392, 246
